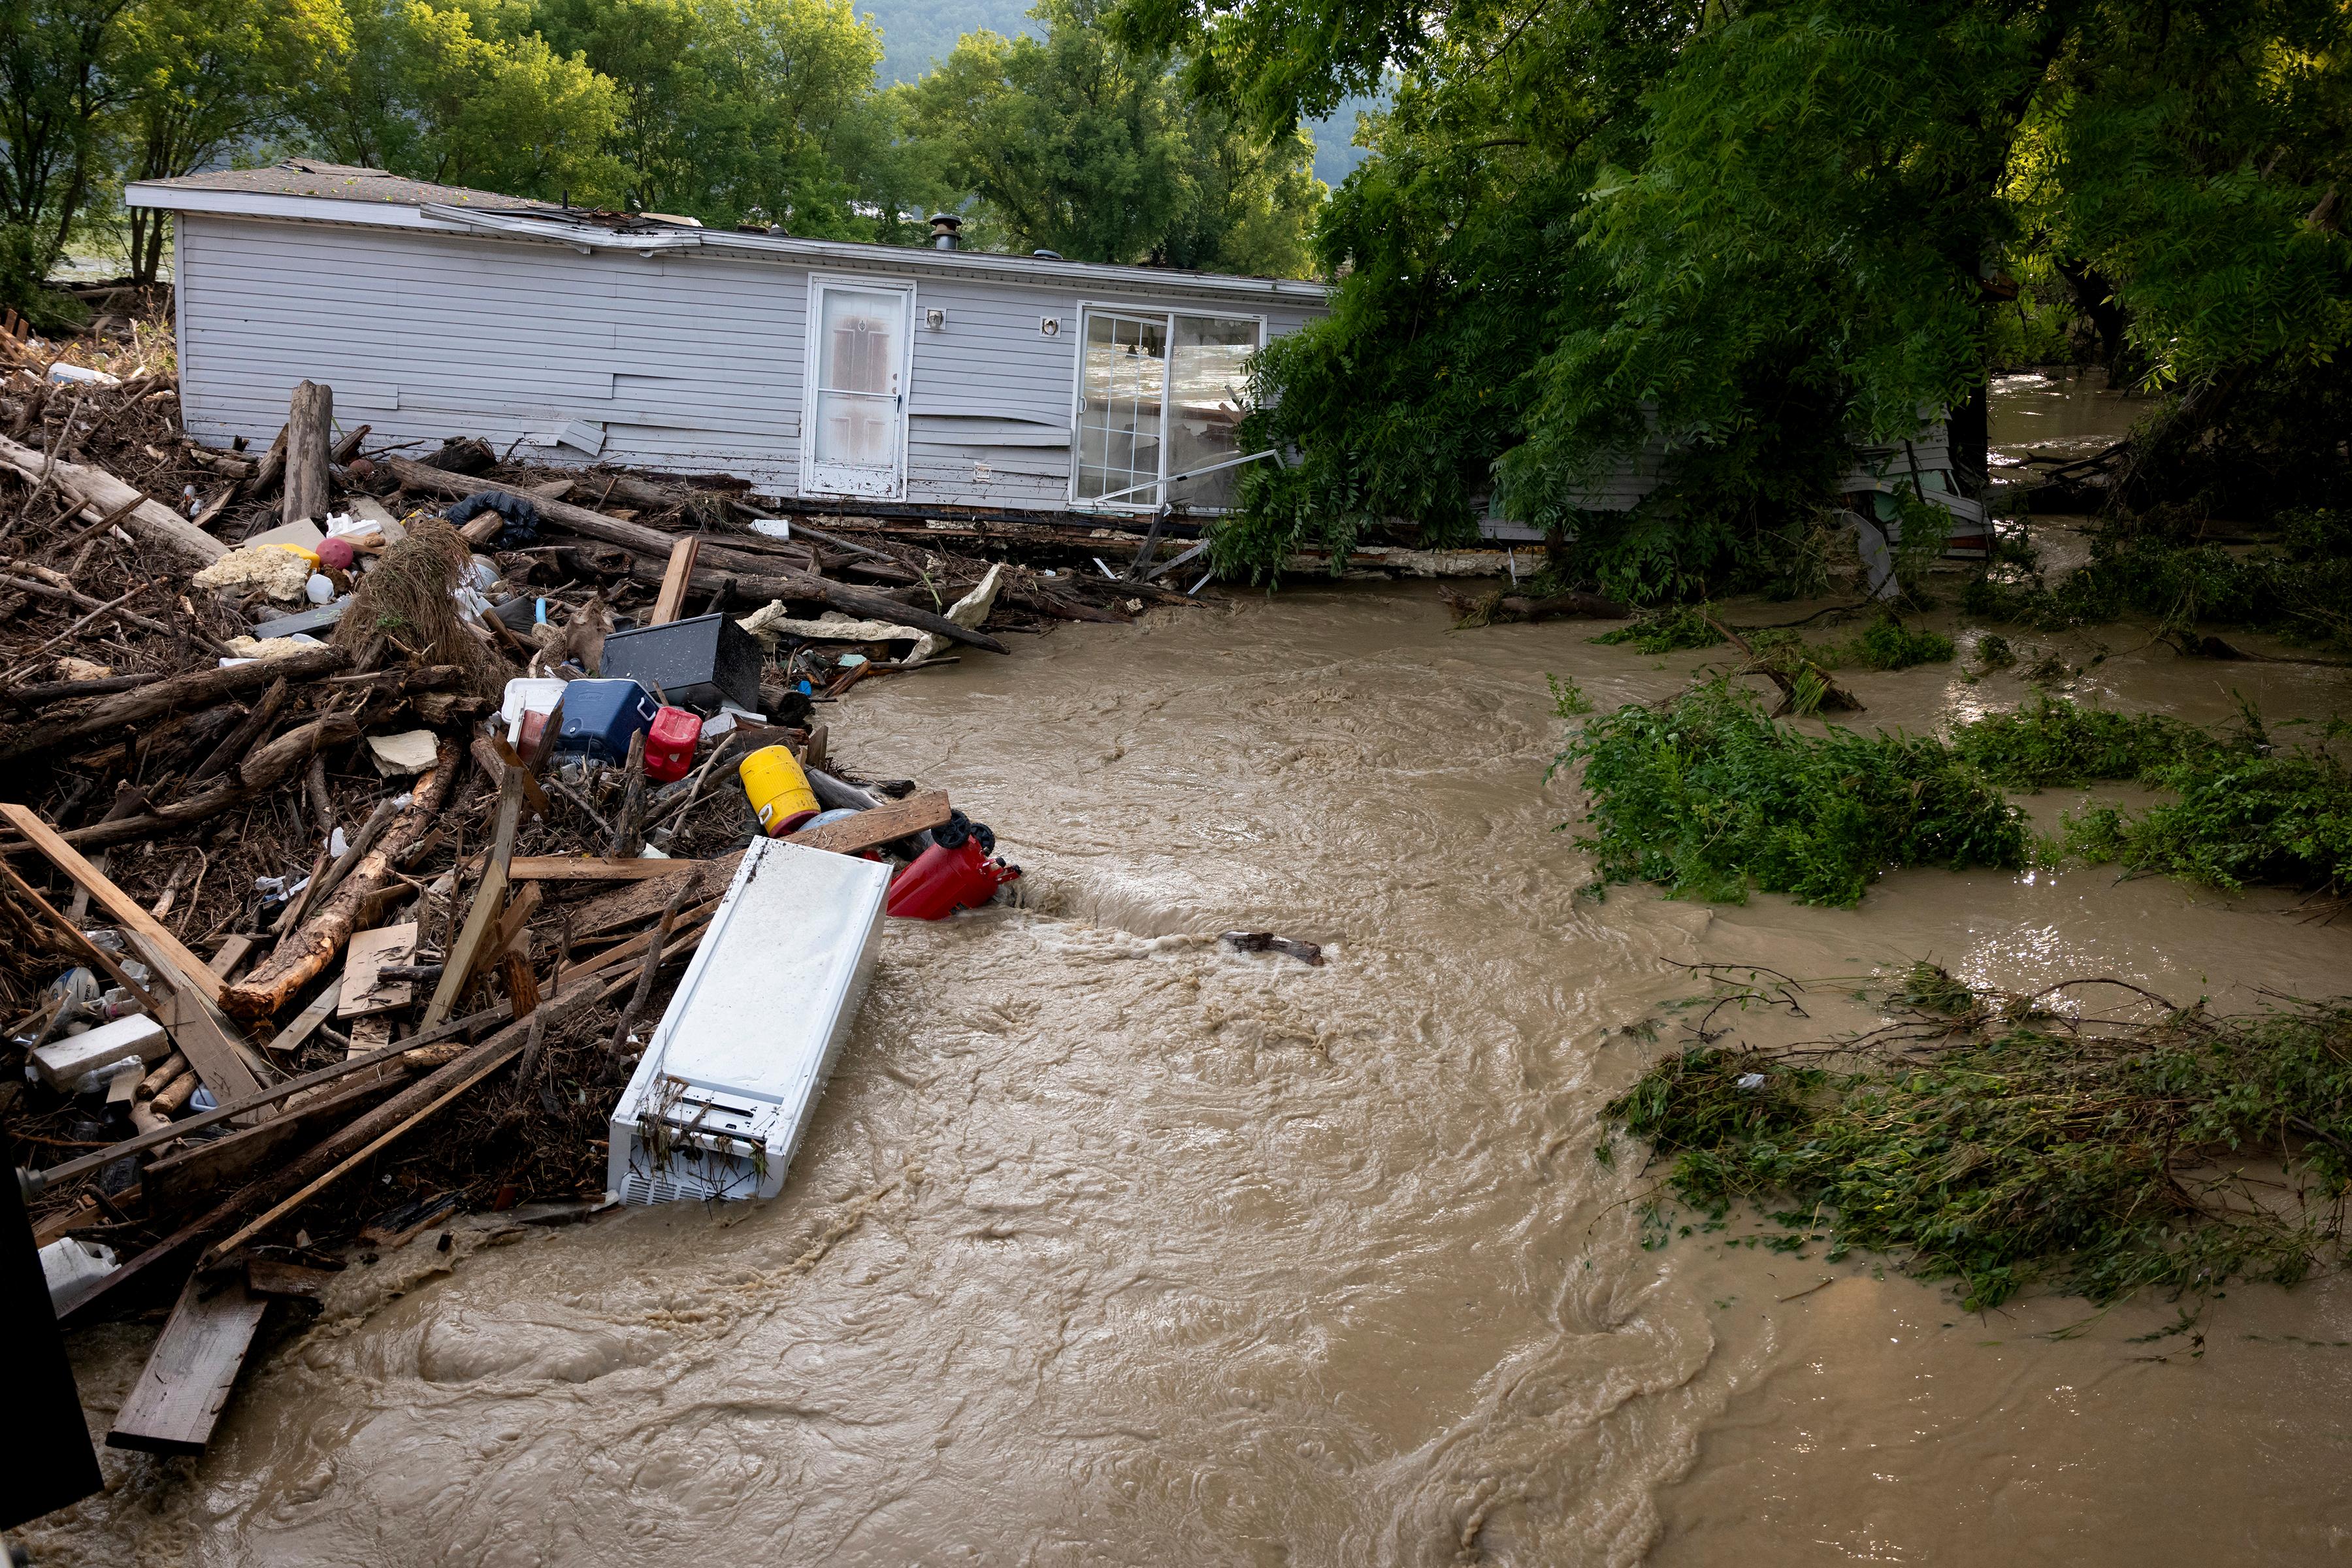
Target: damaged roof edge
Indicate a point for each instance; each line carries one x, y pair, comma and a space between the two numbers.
537, 222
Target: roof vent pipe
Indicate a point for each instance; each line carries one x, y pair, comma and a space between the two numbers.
943, 230
1047, 255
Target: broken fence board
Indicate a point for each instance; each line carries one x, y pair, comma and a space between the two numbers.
370, 951
179, 1396
883, 824
594, 868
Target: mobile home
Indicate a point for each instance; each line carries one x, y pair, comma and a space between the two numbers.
924, 375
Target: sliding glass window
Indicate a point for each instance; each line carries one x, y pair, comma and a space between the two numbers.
1160, 398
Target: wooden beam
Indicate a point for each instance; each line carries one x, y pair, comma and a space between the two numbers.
884, 824
309, 419
179, 1396
680, 572
125, 910
594, 868
472, 946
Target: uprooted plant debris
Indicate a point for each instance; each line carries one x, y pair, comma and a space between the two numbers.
270, 803
2012, 1141
1709, 797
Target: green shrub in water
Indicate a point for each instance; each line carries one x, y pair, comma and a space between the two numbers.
1666, 631
2241, 819
1886, 644
1708, 798
2019, 1154
2048, 743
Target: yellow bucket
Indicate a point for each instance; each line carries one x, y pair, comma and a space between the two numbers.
777, 789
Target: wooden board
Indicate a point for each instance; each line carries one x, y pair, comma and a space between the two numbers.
291, 1037
639, 902
468, 951
593, 868
369, 1035
671, 602
125, 910
362, 991
207, 1167
196, 1027
870, 829
179, 1396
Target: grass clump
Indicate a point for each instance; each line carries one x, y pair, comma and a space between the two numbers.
2048, 742
2283, 818
2013, 1150
1667, 630
1710, 798
1567, 698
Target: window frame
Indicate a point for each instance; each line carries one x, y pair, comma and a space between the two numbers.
1157, 496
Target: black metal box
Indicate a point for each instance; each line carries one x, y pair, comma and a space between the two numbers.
696, 663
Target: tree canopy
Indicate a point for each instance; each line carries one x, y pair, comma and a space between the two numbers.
1747, 232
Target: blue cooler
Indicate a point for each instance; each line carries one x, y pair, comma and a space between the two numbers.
599, 717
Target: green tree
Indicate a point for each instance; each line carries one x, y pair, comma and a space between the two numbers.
206, 77
1751, 230
59, 84
465, 97
1077, 144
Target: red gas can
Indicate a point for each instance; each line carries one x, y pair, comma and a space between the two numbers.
669, 745
943, 879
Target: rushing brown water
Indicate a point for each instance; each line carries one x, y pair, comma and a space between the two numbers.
1112, 1246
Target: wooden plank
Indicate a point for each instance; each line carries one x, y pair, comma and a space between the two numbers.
884, 824
363, 993
196, 1027
593, 868
641, 901
369, 1035
671, 602
232, 954
321, 1007
470, 949
116, 902
187, 1176
179, 1396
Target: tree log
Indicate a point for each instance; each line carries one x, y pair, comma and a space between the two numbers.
303, 956
99, 494
270, 764
164, 695
654, 546
308, 422
240, 740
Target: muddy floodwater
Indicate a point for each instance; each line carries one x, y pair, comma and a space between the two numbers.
1110, 1246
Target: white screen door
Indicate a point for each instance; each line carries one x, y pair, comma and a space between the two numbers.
854, 439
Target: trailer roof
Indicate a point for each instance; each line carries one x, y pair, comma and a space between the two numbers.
310, 190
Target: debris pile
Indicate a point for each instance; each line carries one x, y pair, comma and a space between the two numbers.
364, 809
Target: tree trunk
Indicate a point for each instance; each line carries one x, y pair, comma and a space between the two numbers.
304, 955
309, 426
164, 696
100, 495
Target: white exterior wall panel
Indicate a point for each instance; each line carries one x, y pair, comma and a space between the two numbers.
689, 362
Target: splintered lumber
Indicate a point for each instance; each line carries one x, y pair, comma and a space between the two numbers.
869, 829
272, 468
181, 1179
405, 1053
126, 911
179, 1396
99, 494
304, 955
162, 697
308, 1177
310, 418
671, 602
635, 905
365, 991
654, 546
594, 868
268, 765
241, 739
473, 946
308, 1020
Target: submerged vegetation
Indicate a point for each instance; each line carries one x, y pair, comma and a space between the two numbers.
1710, 798
1987, 1140
2299, 585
